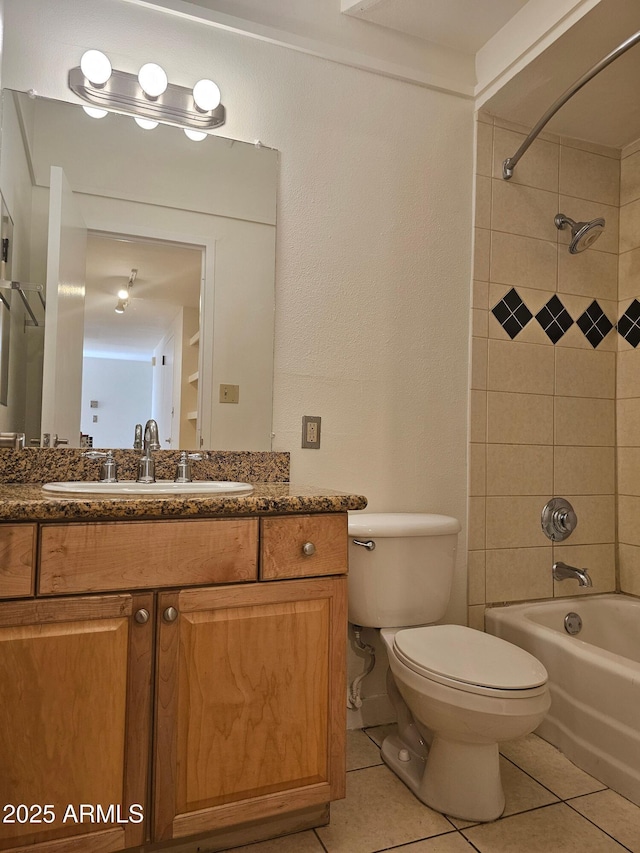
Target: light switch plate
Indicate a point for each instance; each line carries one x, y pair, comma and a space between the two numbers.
229, 393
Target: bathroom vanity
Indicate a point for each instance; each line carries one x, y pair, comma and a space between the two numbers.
172, 668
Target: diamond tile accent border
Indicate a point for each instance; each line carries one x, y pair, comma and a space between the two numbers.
512, 314
629, 324
594, 324
554, 319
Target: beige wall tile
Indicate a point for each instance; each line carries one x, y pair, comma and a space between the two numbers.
480, 294
629, 566
538, 169
478, 416
523, 261
600, 562
582, 210
628, 374
580, 421
585, 373
629, 519
524, 210
519, 418
629, 274
479, 355
476, 575
519, 469
630, 178
523, 130
477, 469
591, 176
483, 202
628, 412
477, 525
593, 147
514, 522
628, 470
584, 470
482, 254
630, 226
596, 519
484, 148
475, 618
516, 574
479, 322
520, 367
593, 274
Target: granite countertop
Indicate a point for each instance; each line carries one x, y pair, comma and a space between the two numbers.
27, 502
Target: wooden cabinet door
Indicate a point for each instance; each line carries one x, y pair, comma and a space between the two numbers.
250, 704
75, 692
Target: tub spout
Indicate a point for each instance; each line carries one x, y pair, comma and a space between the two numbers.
561, 571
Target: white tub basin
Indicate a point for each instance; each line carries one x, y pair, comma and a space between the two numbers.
160, 487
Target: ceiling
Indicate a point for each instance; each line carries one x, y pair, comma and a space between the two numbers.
168, 277
462, 25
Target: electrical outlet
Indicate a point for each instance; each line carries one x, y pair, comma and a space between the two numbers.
311, 431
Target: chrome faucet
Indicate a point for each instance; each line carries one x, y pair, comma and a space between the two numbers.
561, 572
147, 465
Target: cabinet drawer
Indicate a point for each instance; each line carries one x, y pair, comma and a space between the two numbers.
135, 554
283, 541
17, 559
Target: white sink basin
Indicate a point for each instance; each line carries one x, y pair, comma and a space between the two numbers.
160, 487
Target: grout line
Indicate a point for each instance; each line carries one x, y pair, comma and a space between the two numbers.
593, 823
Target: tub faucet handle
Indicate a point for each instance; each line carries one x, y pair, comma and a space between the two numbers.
559, 519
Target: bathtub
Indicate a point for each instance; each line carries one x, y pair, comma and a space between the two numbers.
594, 678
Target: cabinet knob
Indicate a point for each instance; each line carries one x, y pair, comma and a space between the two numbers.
309, 549
170, 614
141, 616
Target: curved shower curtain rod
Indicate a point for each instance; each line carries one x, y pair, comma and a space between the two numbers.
511, 162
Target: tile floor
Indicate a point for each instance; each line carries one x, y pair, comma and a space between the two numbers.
552, 807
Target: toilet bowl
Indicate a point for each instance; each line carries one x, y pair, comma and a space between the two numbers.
457, 692
464, 694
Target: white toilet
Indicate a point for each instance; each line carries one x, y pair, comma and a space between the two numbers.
457, 692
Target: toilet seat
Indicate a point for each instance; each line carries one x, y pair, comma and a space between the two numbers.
470, 660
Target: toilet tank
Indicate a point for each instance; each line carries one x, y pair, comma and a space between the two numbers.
406, 579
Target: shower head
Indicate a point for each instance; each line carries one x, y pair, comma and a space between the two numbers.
583, 234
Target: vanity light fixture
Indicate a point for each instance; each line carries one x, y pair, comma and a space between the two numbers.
147, 95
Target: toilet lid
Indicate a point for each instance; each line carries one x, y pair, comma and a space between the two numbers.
454, 652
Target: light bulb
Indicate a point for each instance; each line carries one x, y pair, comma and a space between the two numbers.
123, 293
195, 135
95, 112
145, 123
95, 67
206, 95
152, 79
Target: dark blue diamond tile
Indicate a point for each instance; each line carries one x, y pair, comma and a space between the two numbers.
554, 319
512, 314
594, 324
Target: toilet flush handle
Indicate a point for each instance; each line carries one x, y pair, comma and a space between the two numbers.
369, 544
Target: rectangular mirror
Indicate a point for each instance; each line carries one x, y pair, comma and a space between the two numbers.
196, 222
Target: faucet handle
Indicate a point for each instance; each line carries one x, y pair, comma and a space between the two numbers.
108, 469
137, 439
183, 469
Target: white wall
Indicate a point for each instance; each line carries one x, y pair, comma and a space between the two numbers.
122, 390
373, 257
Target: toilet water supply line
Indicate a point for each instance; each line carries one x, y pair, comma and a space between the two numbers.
354, 700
